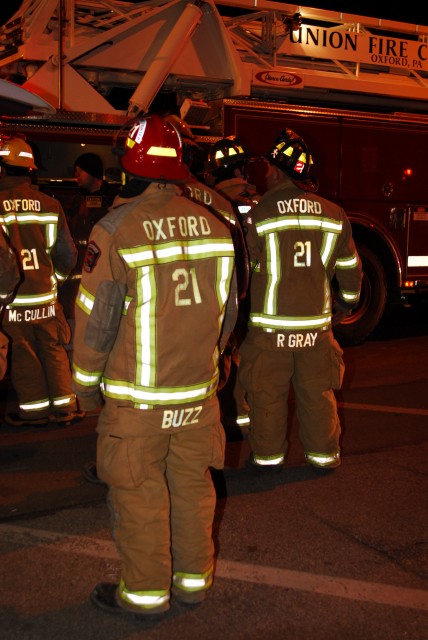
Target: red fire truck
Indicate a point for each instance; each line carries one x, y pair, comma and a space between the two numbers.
355, 87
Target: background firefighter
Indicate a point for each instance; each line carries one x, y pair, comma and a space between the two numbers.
298, 242
226, 169
38, 233
9, 278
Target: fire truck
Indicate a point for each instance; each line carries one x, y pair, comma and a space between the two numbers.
354, 87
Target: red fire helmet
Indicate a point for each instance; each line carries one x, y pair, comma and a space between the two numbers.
153, 150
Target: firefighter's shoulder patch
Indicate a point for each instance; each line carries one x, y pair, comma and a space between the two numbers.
92, 255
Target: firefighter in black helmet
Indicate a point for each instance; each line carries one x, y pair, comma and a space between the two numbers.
226, 166
297, 242
226, 170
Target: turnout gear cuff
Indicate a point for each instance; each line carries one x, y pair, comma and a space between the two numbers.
89, 402
341, 310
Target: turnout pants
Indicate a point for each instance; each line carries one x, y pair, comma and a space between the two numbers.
161, 493
266, 373
40, 368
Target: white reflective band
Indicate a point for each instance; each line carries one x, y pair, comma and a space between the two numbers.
272, 461
192, 583
242, 420
25, 154
31, 300
60, 401
144, 600
350, 296
35, 405
177, 251
51, 234
244, 208
85, 301
417, 261
222, 288
31, 217
329, 243
347, 262
128, 392
287, 323
322, 459
86, 378
299, 223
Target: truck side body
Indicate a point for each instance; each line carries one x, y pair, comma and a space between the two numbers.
354, 87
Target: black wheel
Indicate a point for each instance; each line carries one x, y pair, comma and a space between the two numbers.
365, 318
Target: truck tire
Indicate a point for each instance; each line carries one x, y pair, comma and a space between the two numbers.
366, 317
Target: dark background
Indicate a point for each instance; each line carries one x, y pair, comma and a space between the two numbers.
379, 9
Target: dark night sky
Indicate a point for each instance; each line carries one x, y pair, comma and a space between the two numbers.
380, 9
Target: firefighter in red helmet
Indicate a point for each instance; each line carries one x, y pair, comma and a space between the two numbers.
298, 242
160, 267
37, 231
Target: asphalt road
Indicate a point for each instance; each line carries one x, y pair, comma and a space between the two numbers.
304, 555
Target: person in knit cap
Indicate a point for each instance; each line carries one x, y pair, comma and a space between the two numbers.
89, 172
90, 204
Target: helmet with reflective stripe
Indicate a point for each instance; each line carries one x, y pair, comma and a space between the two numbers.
15, 152
193, 153
291, 154
225, 152
153, 150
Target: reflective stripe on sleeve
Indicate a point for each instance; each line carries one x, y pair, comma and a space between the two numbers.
85, 300
86, 378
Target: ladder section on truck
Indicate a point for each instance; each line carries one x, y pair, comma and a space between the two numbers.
113, 57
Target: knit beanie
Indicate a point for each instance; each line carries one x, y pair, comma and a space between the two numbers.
92, 164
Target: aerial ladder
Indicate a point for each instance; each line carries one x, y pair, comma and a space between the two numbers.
79, 55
